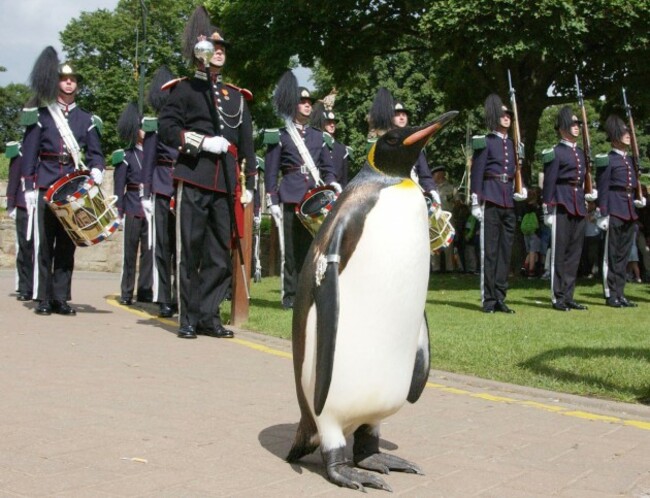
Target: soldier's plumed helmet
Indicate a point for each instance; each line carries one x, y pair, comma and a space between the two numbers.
317, 118
615, 128
382, 111
199, 25
564, 119
494, 110
44, 78
287, 95
157, 96
304, 93
66, 69
400, 107
128, 125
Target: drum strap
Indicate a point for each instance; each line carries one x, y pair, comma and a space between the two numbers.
66, 134
302, 148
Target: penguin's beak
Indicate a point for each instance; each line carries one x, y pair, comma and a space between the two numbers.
424, 133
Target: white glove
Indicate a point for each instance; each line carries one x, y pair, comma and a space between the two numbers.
216, 145
257, 221
593, 196
640, 203
31, 199
147, 206
276, 212
603, 223
521, 197
337, 187
477, 211
549, 220
12, 214
97, 175
246, 197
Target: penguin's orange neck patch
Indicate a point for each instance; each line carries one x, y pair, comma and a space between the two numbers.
371, 156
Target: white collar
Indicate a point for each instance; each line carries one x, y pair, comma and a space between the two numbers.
568, 143
620, 152
500, 135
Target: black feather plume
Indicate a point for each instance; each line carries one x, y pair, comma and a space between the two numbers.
382, 111
615, 128
493, 111
198, 24
317, 118
129, 124
44, 79
156, 96
286, 97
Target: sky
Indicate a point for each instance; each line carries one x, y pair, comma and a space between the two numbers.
28, 26
31, 25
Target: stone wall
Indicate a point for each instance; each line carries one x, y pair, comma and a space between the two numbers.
106, 256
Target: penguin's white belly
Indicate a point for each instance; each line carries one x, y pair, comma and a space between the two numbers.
382, 294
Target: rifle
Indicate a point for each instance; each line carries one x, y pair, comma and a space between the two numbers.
586, 142
516, 138
468, 164
634, 146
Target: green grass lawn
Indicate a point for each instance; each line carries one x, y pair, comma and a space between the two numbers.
603, 352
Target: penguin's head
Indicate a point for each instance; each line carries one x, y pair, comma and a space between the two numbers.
397, 150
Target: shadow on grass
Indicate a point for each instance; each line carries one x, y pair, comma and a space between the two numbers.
540, 365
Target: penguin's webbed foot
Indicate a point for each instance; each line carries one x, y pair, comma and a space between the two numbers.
340, 472
384, 463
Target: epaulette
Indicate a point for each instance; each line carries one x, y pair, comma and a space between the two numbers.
12, 149
271, 136
149, 124
260, 163
117, 157
171, 83
98, 123
248, 95
29, 116
369, 143
601, 160
479, 142
328, 139
548, 155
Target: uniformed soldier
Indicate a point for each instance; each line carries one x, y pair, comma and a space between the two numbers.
158, 192
17, 211
492, 174
326, 120
447, 192
127, 178
617, 183
209, 122
564, 205
284, 157
49, 155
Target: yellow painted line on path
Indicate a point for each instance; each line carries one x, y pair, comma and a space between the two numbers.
637, 424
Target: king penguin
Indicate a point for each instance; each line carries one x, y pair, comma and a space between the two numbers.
360, 335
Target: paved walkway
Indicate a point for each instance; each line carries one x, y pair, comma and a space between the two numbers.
111, 403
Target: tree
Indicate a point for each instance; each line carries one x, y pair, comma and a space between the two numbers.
107, 58
13, 98
470, 44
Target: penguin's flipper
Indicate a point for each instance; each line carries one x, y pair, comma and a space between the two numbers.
422, 363
326, 299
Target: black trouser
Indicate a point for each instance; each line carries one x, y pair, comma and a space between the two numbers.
618, 242
164, 251
53, 255
134, 237
567, 238
204, 264
297, 240
24, 255
497, 232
